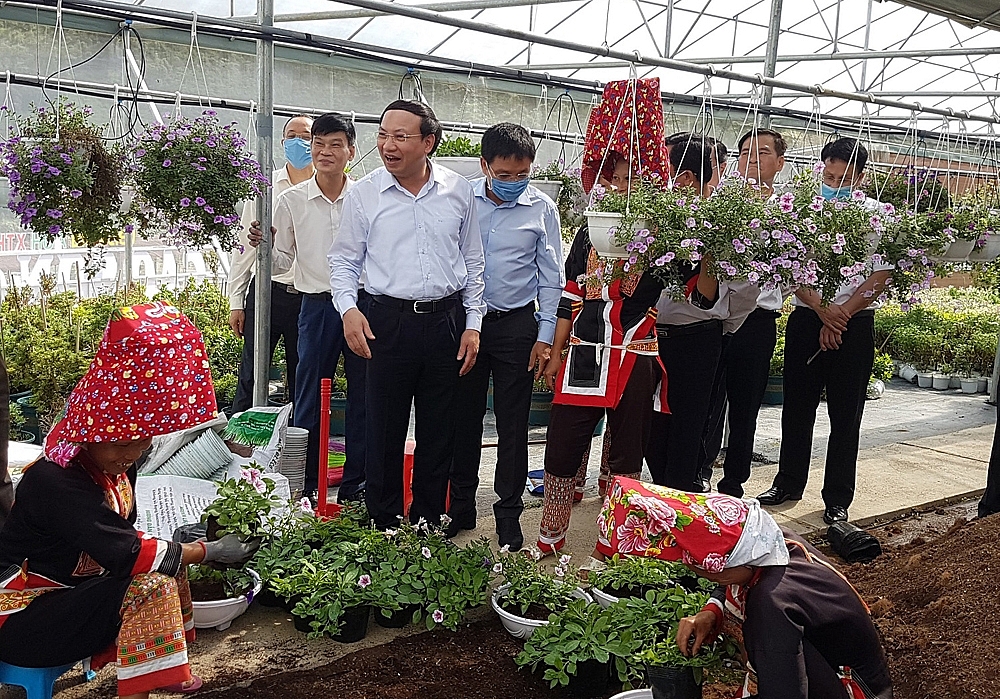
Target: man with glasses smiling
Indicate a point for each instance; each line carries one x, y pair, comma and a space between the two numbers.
411, 227
521, 236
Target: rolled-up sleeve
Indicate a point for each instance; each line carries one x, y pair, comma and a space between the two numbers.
470, 243
347, 254
283, 252
548, 258
241, 260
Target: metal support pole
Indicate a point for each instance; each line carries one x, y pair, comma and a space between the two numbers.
265, 136
670, 26
868, 33
771, 54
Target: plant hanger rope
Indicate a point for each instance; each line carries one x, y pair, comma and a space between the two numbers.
193, 48
572, 115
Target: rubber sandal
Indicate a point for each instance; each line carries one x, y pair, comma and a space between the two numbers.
179, 688
540, 550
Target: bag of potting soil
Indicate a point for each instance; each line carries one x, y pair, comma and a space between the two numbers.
263, 429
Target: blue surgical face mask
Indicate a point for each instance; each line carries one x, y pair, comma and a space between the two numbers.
506, 191
298, 153
829, 193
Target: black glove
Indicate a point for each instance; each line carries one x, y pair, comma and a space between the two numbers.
229, 550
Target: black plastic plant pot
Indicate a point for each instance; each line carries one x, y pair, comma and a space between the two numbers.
354, 624
302, 623
398, 619
267, 598
673, 683
289, 604
590, 680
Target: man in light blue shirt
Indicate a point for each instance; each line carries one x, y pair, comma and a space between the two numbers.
521, 236
412, 227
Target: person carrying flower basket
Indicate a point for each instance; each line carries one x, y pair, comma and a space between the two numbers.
804, 630
76, 578
830, 343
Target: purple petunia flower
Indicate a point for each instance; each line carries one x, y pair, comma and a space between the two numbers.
199, 201
75, 193
166, 163
185, 202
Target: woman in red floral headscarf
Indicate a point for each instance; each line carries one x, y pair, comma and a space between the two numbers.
805, 631
77, 580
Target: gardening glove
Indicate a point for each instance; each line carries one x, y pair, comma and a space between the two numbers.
229, 550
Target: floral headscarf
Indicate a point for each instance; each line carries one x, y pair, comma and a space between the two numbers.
150, 376
612, 128
708, 531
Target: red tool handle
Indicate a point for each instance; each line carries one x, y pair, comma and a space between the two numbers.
325, 388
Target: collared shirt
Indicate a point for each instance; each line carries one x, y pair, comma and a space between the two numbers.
306, 224
670, 311
523, 245
418, 248
241, 262
772, 299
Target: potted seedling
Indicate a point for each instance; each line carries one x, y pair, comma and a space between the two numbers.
529, 595
677, 676
219, 596
635, 576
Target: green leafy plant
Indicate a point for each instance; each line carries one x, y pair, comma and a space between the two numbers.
572, 200
244, 504
458, 147
234, 581
530, 585
711, 656
17, 421
883, 367
637, 574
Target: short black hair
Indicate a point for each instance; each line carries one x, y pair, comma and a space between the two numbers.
779, 141
693, 154
850, 150
507, 140
293, 118
675, 138
721, 152
329, 123
429, 124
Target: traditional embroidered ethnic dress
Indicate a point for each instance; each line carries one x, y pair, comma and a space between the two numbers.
805, 632
77, 580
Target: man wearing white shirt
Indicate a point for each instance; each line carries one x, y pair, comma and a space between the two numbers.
307, 220
285, 300
412, 228
828, 346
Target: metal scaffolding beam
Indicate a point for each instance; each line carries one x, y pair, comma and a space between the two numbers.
771, 53
265, 156
457, 6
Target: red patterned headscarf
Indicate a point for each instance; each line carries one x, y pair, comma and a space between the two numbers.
708, 531
150, 376
629, 109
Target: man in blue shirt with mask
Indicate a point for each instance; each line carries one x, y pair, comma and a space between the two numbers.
521, 238
830, 346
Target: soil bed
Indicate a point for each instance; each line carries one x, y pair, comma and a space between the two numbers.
208, 591
535, 612
935, 602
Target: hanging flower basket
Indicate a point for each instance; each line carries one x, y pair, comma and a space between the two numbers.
64, 180
190, 177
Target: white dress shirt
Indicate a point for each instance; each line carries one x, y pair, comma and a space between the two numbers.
419, 248
243, 257
306, 224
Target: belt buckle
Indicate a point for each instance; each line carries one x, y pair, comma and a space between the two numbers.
416, 307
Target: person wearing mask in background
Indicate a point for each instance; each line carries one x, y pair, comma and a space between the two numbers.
307, 220
412, 228
690, 344
829, 343
746, 361
522, 241
285, 300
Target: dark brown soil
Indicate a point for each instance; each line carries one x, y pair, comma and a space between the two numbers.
207, 591
477, 662
936, 601
535, 612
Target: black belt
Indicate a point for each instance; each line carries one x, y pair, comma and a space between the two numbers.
700, 326
497, 315
419, 307
324, 296
287, 288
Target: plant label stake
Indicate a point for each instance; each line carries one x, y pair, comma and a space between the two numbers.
325, 388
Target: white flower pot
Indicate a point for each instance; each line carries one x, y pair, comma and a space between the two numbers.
469, 168
602, 597
549, 188
518, 626
127, 195
955, 381
602, 227
925, 379
907, 373
959, 250
990, 251
645, 693
875, 389
941, 382
219, 614
970, 385
982, 384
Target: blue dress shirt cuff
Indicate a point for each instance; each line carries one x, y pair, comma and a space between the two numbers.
546, 331
473, 321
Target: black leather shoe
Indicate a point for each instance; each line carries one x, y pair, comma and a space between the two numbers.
457, 524
359, 496
703, 485
775, 496
509, 533
835, 513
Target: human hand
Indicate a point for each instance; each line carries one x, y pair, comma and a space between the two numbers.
357, 332
255, 234
693, 631
552, 370
468, 350
230, 550
540, 354
237, 319
834, 316
829, 339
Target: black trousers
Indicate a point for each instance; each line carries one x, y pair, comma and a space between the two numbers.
748, 364
413, 364
990, 504
715, 424
284, 324
65, 626
571, 427
504, 349
844, 373
690, 355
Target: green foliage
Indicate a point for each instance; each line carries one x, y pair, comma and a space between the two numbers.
882, 368
711, 656
572, 199
235, 581
458, 147
623, 572
530, 584
909, 189
243, 505
17, 421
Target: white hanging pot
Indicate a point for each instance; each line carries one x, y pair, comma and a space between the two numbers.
127, 195
959, 250
988, 252
549, 188
469, 168
603, 227
602, 597
219, 614
519, 626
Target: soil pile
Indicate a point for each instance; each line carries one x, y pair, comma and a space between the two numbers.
936, 602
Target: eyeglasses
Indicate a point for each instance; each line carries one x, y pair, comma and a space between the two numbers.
383, 137
508, 178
